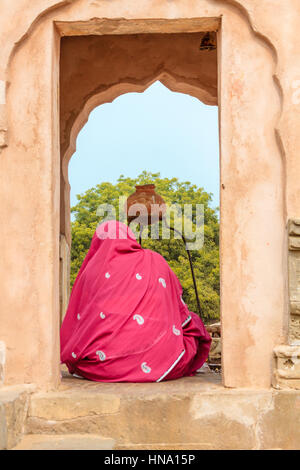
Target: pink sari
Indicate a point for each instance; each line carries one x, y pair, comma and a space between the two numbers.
126, 320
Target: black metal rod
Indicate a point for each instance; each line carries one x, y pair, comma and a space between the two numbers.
190, 261
140, 235
192, 269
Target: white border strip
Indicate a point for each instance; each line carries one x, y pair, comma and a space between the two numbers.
186, 321
172, 366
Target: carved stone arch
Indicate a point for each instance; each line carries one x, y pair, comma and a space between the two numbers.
176, 84
113, 92
253, 256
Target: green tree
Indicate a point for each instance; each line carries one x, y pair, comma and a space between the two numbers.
205, 260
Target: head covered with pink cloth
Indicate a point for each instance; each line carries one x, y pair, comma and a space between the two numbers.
126, 320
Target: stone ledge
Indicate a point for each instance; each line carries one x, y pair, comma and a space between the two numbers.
189, 413
168, 415
284, 350
79, 398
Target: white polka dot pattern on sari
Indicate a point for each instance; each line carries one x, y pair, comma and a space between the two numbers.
176, 331
139, 319
102, 355
145, 368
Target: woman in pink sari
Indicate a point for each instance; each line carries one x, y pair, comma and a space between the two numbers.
126, 320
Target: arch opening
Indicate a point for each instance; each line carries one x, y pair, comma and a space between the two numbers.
198, 81
97, 69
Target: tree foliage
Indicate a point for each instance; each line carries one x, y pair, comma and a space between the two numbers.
205, 260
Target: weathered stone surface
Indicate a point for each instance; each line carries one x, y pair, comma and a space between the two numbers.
295, 307
13, 410
235, 416
287, 351
215, 351
294, 243
294, 227
100, 26
189, 413
294, 275
294, 329
294, 280
72, 404
279, 427
287, 367
65, 442
214, 329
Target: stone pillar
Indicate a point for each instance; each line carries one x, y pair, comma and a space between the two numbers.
287, 357
294, 280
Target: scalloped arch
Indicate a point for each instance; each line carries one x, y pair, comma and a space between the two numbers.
113, 92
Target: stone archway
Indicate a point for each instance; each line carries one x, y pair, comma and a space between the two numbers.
97, 69
253, 256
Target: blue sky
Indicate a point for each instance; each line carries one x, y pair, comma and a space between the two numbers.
158, 131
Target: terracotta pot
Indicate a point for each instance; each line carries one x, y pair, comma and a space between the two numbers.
154, 205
